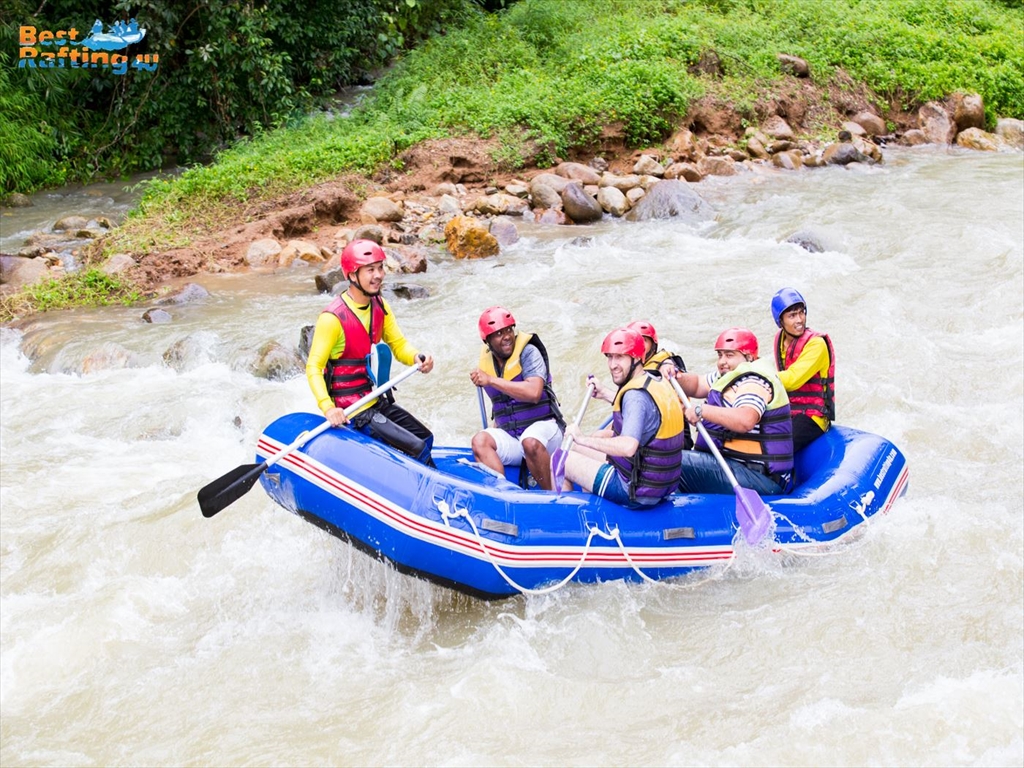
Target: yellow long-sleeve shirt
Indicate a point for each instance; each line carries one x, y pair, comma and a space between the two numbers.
813, 360
329, 342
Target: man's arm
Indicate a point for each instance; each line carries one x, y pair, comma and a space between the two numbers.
813, 359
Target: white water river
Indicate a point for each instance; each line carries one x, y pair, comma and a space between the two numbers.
136, 632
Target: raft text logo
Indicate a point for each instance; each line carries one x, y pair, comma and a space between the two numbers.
46, 49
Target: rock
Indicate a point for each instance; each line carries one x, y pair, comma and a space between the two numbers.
871, 150
579, 206
501, 204
552, 180
18, 200
466, 238
936, 124
305, 340
410, 259
1011, 130
613, 201
582, 242
968, 110
545, 196
682, 145
406, 292
550, 216
716, 166
975, 138
671, 198
776, 128
621, 183
757, 144
118, 262
599, 164
70, 223
914, 138
791, 160
373, 232
276, 362
326, 281
187, 294
854, 129
300, 250
187, 353
737, 155
449, 206
263, 253
648, 166
843, 153
504, 231
684, 171
809, 241
519, 190
382, 209
445, 188
156, 316
16, 272
109, 357
578, 172
634, 195
793, 65
872, 124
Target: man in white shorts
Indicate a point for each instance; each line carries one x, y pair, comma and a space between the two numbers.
514, 372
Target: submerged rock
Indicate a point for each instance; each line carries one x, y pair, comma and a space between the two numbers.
669, 199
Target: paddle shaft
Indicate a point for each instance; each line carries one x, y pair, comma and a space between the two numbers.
707, 439
483, 409
567, 440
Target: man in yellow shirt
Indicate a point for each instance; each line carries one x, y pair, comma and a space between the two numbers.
337, 368
807, 368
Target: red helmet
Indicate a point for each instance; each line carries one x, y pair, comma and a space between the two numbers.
739, 340
644, 329
624, 341
494, 319
358, 254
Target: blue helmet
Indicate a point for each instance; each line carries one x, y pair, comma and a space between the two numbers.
783, 300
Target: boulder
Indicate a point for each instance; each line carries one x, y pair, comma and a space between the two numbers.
809, 241
914, 138
300, 250
634, 195
188, 353
716, 166
545, 196
936, 124
466, 238
1011, 130
584, 174
552, 180
613, 201
156, 316
70, 223
843, 153
117, 263
550, 216
189, 293
274, 361
263, 253
682, 145
648, 166
671, 198
410, 259
968, 110
776, 128
791, 160
326, 281
382, 209
406, 292
621, 183
504, 231
975, 138
684, 171
872, 124
579, 206
18, 200
16, 272
501, 204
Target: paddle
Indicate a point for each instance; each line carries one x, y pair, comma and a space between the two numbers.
229, 488
483, 410
562, 452
753, 514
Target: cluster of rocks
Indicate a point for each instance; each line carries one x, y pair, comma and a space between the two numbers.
52, 253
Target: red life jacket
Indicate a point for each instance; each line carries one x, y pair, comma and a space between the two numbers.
817, 395
348, 376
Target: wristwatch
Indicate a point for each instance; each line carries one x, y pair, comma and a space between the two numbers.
697, 410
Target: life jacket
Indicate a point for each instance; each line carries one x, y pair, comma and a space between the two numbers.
510, 414
654, 470
348, 376
652, 364
768, 447
817, 395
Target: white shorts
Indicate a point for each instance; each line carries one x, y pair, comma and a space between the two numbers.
510, 449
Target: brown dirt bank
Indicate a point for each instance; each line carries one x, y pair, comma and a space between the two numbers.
317, 213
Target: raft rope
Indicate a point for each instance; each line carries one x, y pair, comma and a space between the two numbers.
834, 550
613, 535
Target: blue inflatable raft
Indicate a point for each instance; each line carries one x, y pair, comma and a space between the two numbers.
462, 526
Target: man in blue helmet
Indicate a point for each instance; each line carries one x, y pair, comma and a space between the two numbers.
807, 367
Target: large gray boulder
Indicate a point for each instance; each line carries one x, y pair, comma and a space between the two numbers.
669, 199
579, 206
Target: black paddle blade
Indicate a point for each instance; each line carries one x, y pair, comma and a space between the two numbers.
229, 488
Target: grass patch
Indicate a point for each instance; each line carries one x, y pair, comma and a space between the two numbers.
87, 288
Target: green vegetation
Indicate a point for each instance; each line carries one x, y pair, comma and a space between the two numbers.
555, 73
88, 288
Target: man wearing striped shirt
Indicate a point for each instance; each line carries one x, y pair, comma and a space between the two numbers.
746, 414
